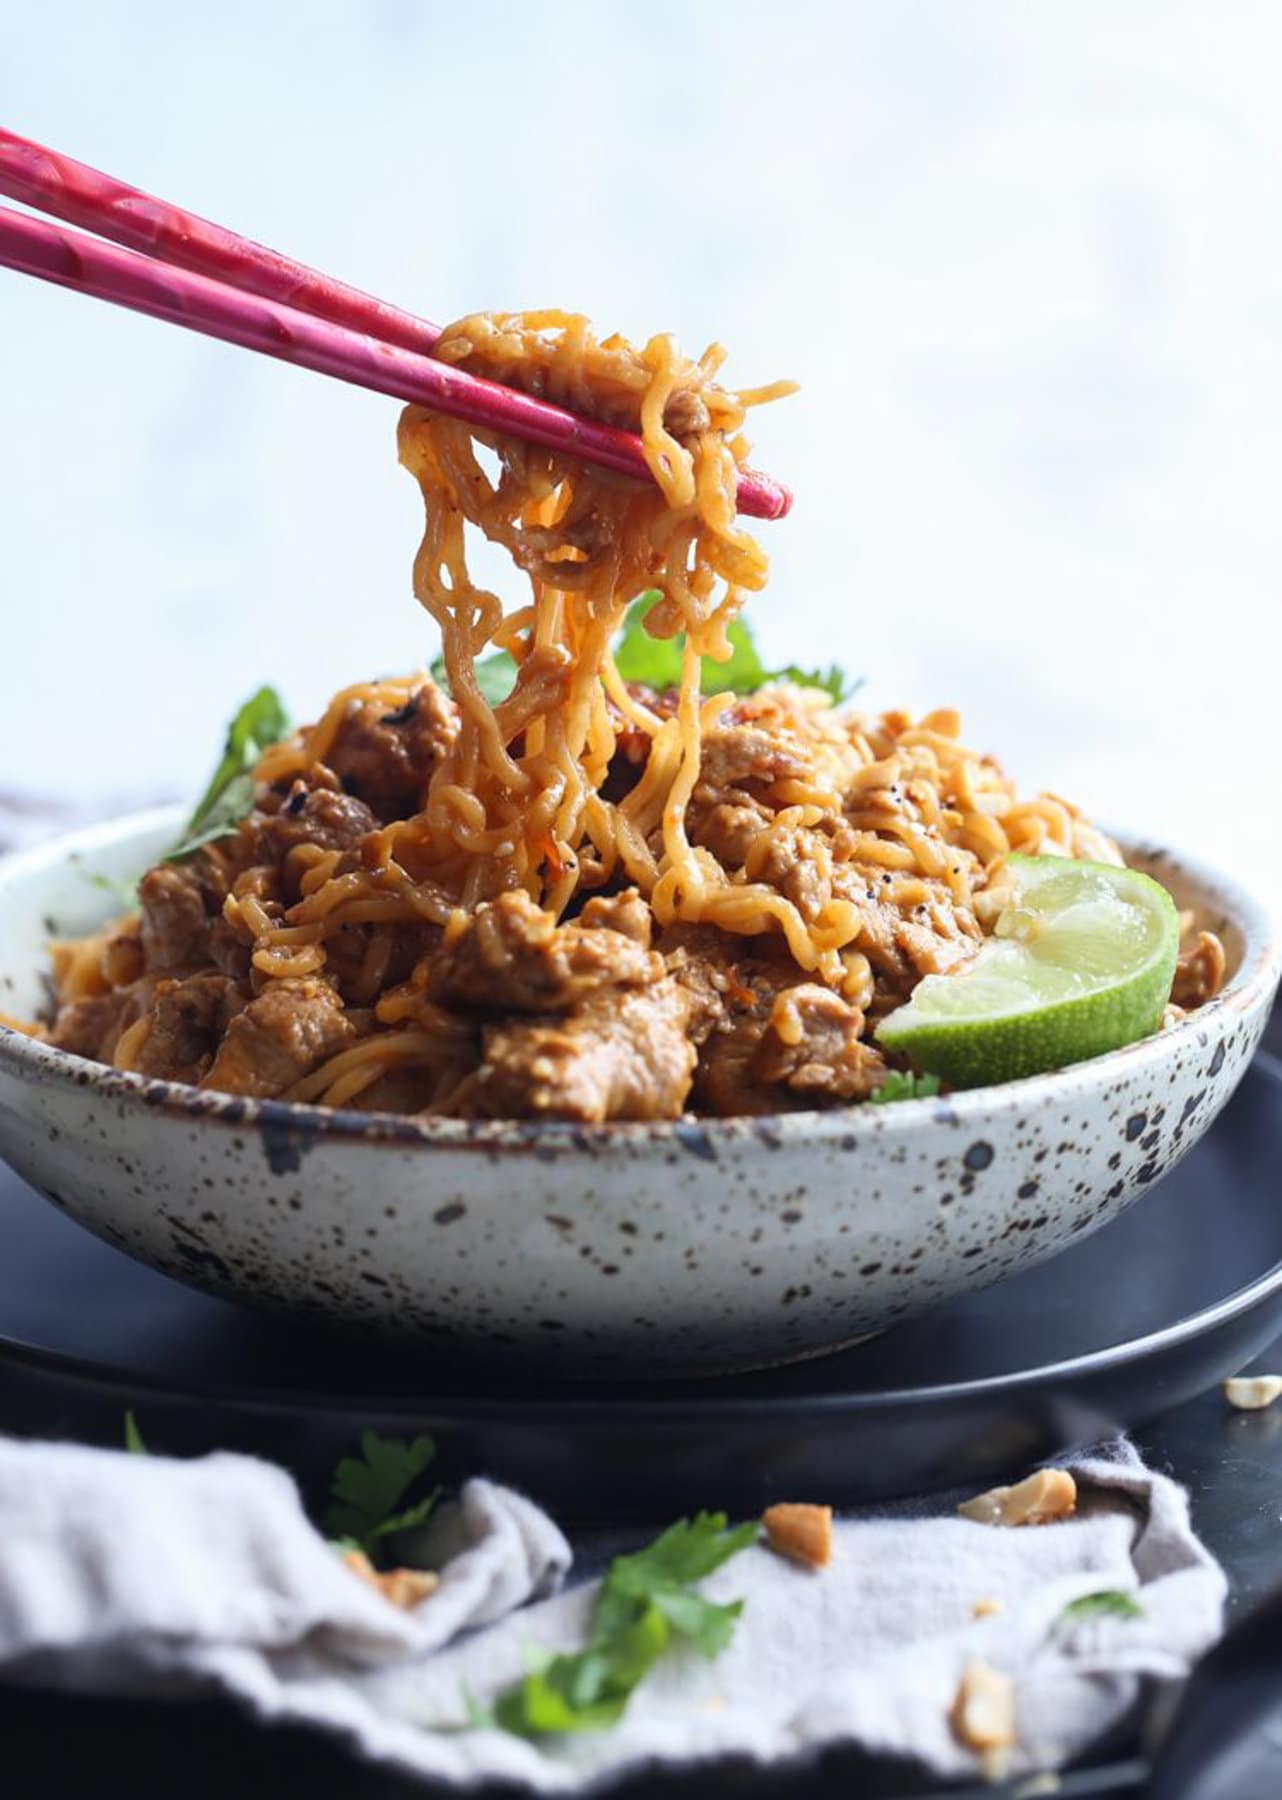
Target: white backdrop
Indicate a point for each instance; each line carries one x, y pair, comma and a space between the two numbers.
1026, 260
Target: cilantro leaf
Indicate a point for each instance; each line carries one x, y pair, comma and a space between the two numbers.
125, 893
368, 1491
1108, 1603
900, 1085
653, 662
495, 676
645, 1603
656, 662
133, 1437
685, 1552
832, 680
230, 795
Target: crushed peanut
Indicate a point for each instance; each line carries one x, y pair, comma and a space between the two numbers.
799, 1531
1037, 1500
1250, 1393
405, 1588
983, 1709
985, 1607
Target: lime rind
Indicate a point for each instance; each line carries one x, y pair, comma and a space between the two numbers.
1080, 962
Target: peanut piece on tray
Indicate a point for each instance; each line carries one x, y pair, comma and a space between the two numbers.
801, 1532
405, 1588
1250, 1393
1037, 1500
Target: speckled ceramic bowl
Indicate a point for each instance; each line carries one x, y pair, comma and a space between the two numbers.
670, 1248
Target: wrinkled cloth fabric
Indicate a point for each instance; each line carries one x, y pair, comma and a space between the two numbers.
139, 1574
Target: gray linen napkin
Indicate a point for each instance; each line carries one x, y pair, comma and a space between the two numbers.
122, 1573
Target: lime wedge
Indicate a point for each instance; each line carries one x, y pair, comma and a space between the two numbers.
1080, 962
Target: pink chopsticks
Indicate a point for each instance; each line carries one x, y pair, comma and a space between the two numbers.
172, 265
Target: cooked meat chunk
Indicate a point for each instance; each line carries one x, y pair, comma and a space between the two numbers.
179, 900
308, 815
930, 939
122, 953
626, 912
812, 1044
1199, 973
289, 1030
708, 968
175, 919
769, 1040
187, 1020
798, 864
685, 413
230, 951
728, 826
737, 754
386, 759
623, 1054
92, 1027
512, 955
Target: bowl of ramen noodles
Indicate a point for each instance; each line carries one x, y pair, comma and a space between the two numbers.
603, 996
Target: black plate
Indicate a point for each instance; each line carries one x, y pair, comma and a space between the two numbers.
1181, 1290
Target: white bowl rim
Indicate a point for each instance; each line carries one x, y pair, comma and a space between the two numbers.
1249, 989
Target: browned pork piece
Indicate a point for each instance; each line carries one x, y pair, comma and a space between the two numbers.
769, 1040
622, 1054
178, 902
386, 758
188, 1018
307, 815
289, 1030
609, 1036
92, 1027
626, 912
738, 755
512, 956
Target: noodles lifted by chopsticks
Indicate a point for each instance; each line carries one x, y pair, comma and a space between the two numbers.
517, 800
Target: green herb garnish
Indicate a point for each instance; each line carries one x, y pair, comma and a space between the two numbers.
900, 1085
495, 676
646, 1603
125, 893
656, 663
1109, 1603
369, 1491
229, 798
133, 1437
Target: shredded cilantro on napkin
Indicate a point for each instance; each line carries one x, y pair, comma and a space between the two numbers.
647, 1603
229, 798
368, 1492
1109, 1603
